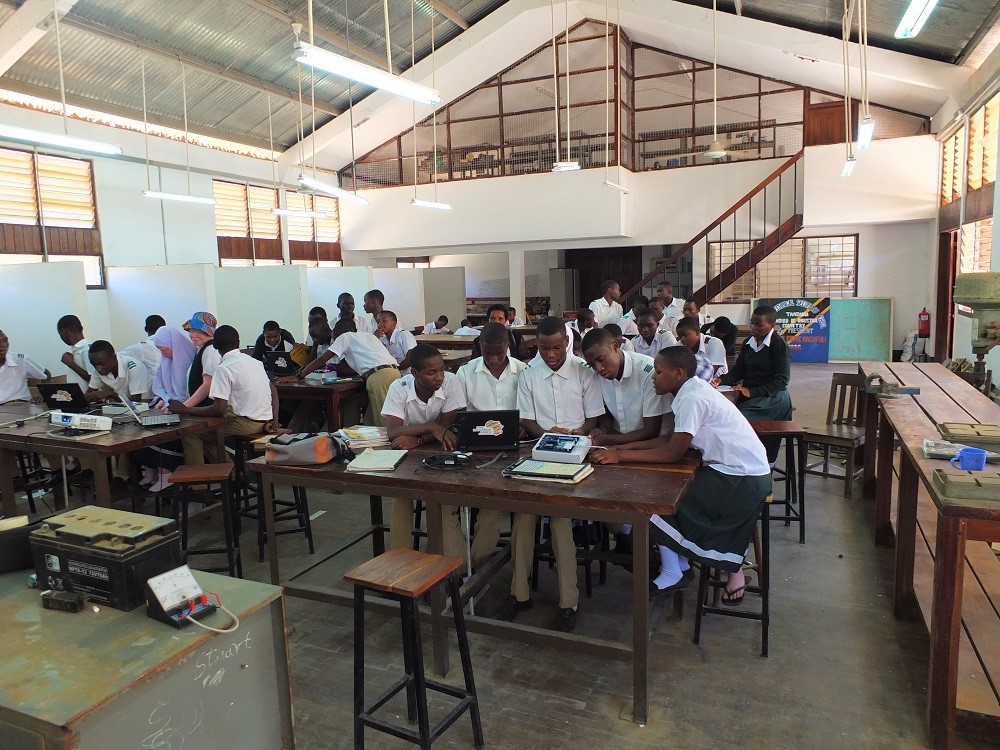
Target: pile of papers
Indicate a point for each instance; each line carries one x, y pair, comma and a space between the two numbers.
360, 437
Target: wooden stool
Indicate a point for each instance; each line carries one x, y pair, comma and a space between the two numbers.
209, 474
406, 575
795, 477
708, 580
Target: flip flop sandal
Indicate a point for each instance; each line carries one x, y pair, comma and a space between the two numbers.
730, 598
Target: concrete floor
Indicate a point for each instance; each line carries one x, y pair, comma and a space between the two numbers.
842, 672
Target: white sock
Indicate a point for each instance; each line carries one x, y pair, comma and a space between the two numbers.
148, 475
670, 569
685, 564
626, 528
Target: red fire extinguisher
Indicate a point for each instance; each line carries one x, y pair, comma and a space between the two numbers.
924, 324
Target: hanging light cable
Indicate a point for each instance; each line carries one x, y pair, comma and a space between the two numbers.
866, 127
716, 150
435, 204
851, 161
565, 165
607, 102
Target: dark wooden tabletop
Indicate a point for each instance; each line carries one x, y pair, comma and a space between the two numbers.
35, 435
645, 489
313, 388
943, 397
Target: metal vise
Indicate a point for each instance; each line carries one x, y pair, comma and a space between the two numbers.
875, 385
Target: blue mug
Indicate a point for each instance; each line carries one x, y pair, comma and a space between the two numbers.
970, 459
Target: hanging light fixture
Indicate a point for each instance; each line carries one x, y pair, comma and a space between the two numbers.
415, 201
607, 98
64, 139
850, 162
716, 150
156, 194
914, 18
567, 164
866, 128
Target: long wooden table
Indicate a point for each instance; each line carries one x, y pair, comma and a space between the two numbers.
329, 394
446, 341
38, 436
612, 494
943, 397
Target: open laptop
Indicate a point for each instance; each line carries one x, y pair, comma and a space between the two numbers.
488, 430
150, 417
279, 364
65, 397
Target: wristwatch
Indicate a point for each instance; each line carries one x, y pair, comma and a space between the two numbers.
420, 440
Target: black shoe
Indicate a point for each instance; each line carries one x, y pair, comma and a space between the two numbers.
681, 584
510, 607
565, 620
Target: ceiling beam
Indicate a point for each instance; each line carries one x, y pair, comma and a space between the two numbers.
989, 22
196, 63
451, 14
325, 35
26, 27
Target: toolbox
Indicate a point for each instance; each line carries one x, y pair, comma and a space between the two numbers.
105, 554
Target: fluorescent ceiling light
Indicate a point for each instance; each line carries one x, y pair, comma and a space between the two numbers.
915, 18
333, 190
716, 151
566, 166
866, 131
179, 197
616, 186
345, 67
59, 140
430, 204
848, 167
301, 212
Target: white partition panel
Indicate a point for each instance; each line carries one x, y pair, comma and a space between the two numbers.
99, 324
404, 294
326, 284
247, 297
175, 292
33, 297
444, 294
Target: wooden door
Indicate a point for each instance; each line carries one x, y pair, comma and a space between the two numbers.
596, 265
944, 311
825, 123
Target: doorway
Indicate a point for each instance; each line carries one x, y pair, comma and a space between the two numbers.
944, 312
597, 265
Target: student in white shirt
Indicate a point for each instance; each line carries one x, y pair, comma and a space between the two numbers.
490, 383
585, 321
556, 393
625, 344
466, 329
438, 326
513, 319
663, 321
15, 369
651, 338
639, 304
70, 330
418, 408
693, 310
721, 507
359, 354
673, 307
606, 308
689, 335
145, 351
240, 391
116, 376
362, 323
398, 341
374, 304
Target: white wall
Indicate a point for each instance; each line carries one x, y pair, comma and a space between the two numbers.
326, 284
246, 297
33, 296
894, 180
175, 292
404, 294
444, 294
488, 274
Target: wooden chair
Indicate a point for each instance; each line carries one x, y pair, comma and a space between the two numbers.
844, 429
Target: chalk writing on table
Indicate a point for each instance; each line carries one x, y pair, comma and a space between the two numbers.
210, 666
173, 722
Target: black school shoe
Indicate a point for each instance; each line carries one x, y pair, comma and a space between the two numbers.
565, 620
510, 607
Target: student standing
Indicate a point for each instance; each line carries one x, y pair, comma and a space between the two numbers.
272, 339
374, 303
760, 374
398, 341
145, 351
241, 391
116, 375
651, 338
556, 393
489, 383
70, 330
15, 369
707, 347
420, 407
361, 354
438, 326
721, 507
606, 308
362, 323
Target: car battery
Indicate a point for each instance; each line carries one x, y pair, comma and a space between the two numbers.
105, 554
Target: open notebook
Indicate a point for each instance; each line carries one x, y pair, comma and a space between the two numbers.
377, 460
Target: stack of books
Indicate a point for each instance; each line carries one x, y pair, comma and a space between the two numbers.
360, 437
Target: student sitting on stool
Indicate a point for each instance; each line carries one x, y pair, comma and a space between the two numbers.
651, 339
707, 348
398, 341
420, 407
272, 339
721, 507
240, 391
